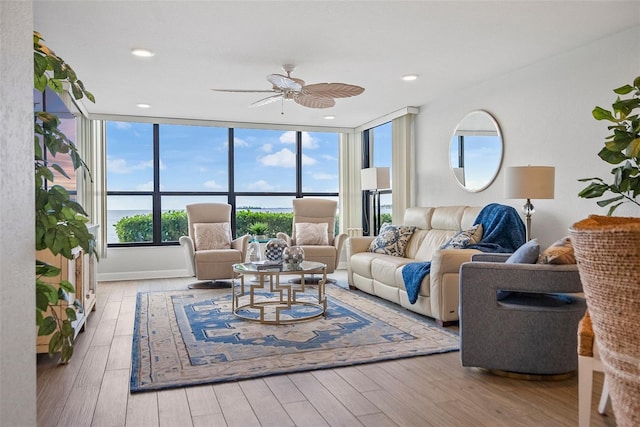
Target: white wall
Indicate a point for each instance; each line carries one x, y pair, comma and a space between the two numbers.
17, 255
142, 263
544, 111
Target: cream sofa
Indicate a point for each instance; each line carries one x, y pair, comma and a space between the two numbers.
381, 274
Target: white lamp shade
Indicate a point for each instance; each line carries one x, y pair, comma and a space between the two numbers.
375, 178
529, 182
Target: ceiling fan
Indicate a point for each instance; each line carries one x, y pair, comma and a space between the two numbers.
318, 95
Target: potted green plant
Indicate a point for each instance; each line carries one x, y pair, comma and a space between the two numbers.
259, 230
607, 249
60, 222
621, 148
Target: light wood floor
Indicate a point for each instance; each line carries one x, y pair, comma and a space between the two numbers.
93, 389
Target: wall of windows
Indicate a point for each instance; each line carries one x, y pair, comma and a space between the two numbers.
377, 152
155, 170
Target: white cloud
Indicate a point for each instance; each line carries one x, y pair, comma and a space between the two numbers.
238, 142
212, 185
267, 148
286, 158
122, 125
117, 165
323, 176
308, 141
261, 185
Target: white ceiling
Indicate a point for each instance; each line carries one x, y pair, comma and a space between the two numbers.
201, 45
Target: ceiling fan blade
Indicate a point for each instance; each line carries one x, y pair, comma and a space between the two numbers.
284, 82
313, 101
244, 90
267, 100
333, 90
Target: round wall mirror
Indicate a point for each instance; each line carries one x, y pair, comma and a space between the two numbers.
475, 151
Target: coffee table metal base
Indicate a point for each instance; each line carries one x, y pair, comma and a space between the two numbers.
287, 296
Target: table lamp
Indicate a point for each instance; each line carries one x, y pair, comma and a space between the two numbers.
529, 182
375, 179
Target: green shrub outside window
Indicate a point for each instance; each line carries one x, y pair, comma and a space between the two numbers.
139, 228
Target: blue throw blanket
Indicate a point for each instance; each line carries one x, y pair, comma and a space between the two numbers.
503, 231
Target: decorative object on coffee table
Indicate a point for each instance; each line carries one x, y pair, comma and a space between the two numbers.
273, 249
293, 255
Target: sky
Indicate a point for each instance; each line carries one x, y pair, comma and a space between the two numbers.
194, 158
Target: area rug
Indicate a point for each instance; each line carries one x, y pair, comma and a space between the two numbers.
191, 337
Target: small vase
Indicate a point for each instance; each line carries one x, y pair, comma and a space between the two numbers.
293, 255
254, 250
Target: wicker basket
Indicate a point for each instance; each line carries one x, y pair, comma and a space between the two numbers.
608, 254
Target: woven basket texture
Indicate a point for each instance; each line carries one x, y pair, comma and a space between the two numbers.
608, 254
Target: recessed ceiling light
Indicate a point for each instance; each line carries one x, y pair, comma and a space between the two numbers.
410, 77
142, 53
143, 105
329, 117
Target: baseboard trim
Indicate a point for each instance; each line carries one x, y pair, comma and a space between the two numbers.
140, 275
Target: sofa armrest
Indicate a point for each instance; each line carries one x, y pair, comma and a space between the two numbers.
241, 243
355, 245
490, 257
450, 260
188, 249
538, 278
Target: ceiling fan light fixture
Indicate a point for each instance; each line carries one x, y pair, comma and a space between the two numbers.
410, 77
142, 53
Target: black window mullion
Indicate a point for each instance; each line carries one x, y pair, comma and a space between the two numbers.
231, 197
298, 164
157, 201
366, 162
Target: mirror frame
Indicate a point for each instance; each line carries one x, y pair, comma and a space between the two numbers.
453, 140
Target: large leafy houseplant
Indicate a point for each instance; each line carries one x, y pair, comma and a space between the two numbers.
60, 221
621, 148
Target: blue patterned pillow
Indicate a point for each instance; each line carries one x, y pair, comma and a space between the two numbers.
392, 240
464, 238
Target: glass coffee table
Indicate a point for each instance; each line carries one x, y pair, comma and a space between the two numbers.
268, 300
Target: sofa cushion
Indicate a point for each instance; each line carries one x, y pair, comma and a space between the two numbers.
464, 238
383, 269
560, 252
212, 236
309, 233
525, 254
392, 240
431, 242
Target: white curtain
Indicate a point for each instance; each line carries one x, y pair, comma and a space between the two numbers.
402, 141
350, 190
92, 188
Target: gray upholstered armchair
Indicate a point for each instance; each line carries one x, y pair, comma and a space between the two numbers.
313, 228
209, 250
520, 318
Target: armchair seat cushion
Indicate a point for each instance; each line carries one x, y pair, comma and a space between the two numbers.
219, 256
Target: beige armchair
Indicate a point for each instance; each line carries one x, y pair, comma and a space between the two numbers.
209, 249
313, 229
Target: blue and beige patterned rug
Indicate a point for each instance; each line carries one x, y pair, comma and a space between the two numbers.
190, 337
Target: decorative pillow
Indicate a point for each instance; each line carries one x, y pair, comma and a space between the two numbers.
308, 233
464, 238
392, 240
525, 254
212, 236
561, 252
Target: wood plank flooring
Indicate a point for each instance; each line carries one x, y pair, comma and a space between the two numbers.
93, 389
